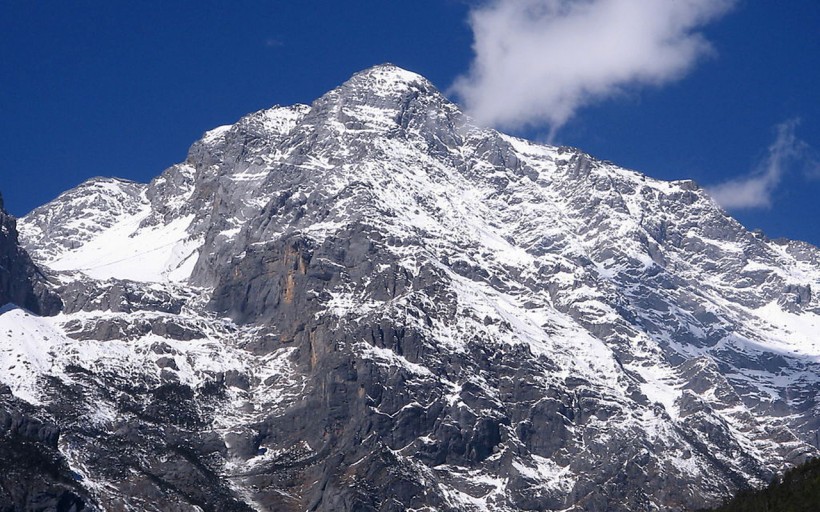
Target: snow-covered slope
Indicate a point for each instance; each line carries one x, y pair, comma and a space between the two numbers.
27, 351
100, 229
80, 215
373, 293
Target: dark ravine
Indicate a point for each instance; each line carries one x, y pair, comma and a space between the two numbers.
371, 304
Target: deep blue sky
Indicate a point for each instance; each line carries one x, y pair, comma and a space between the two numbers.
93, 88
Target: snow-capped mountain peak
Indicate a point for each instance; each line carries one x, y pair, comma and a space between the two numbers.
398, 298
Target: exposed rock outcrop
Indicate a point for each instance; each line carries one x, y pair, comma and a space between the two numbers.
21, 281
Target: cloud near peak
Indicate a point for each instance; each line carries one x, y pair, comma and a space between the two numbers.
538, 61
755, 190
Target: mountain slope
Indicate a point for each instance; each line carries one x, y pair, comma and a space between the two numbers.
35, 475
323, 303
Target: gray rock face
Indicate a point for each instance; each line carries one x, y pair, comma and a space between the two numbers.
35, 475
118, 296
370, 303
21, 281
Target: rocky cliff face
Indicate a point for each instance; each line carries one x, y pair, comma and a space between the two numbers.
21, 282
369, 303
35, 476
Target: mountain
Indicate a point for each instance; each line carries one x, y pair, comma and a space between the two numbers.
371, 303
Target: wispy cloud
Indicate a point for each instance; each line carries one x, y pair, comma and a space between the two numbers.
538, 61
812, 163
755, 190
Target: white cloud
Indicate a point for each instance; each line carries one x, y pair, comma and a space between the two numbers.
538, 61
811, 163
755, 190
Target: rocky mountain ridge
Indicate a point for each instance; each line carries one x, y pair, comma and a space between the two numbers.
324, 302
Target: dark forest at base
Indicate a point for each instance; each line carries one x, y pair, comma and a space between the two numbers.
798, 490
